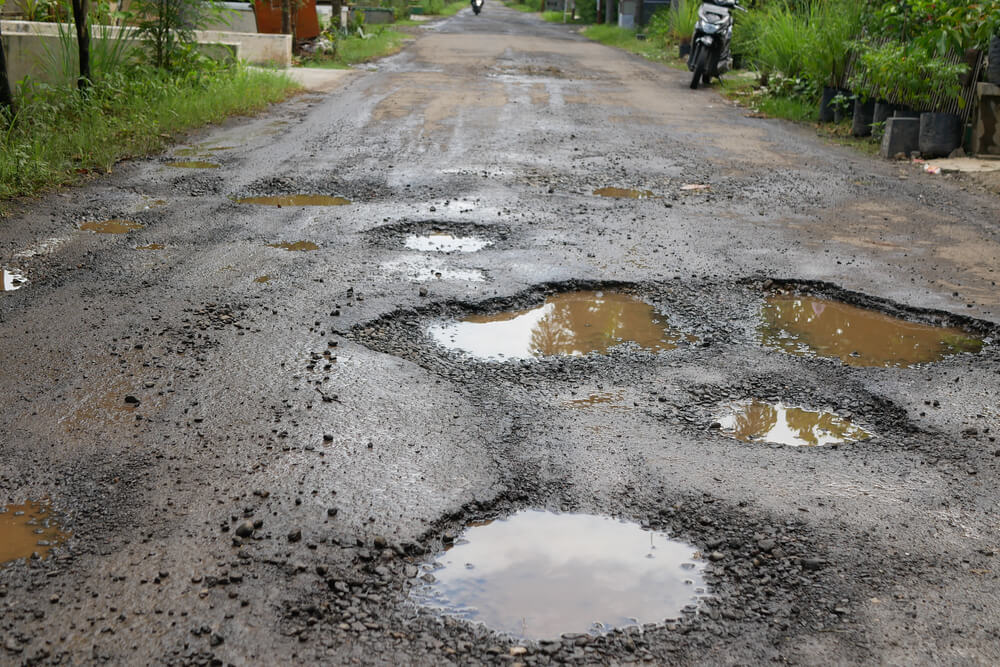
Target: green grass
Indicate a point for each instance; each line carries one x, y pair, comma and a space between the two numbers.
355, 49
59, 135
453, 8
624, 38
522, 7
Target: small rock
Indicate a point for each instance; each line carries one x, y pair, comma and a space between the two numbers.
716, 556
245, 528
423, 291
131, 400
295, 536
332, 511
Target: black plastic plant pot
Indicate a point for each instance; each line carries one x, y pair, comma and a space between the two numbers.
993, 71
864, 116
940, 134
684, 50
825, 110
883, 111
904, 112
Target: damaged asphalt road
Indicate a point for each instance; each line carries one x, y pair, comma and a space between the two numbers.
254, 448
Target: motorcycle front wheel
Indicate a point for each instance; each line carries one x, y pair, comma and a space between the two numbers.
699, 59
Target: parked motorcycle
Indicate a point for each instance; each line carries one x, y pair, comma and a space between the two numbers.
710, 55
477, 6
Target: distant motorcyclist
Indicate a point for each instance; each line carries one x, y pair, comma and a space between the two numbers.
477, 6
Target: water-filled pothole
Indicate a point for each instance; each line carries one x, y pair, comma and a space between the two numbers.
755, 421
201, 149
571, 323
297, 246
444, 242
12, 280
113, 226
606, 399
813, 326
538, 575
262, 279
193, 164
295, 200
28, 529
623, 193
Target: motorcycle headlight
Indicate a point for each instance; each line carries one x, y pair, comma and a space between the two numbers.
709, 28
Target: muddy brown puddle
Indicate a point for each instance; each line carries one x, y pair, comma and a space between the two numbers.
812, 326
572, 323
193, 164
297, 246
756, 421
113, 226
539, 574
295, 200
623, 193
11, 280
262, 279
443, 242
27, 529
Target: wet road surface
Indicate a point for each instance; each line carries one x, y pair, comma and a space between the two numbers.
250, 454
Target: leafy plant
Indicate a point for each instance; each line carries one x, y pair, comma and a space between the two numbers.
683, 18
912, 69
170, 24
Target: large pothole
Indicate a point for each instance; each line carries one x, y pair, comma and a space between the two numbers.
806, 325
760, 421
567, 324
28, 531
539, 575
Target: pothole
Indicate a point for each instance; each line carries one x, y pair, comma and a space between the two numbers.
201, 149
193, 164
296, 246
262, 279
294, 200
151, 246
568, 324
539, 574
113, 226
814, 326
12, 280
420, 269
445, 242
756, 421
26, 530
623, 193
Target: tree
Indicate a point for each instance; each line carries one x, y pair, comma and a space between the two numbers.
83, 41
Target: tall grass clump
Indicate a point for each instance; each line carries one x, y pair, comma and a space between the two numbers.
58, 134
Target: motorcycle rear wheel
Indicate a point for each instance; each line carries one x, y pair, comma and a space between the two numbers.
699, 60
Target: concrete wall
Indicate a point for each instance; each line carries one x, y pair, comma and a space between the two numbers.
240, 17
27, 45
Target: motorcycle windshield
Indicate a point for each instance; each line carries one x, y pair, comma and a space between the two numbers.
711, 13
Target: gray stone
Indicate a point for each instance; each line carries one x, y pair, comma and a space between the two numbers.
902, 135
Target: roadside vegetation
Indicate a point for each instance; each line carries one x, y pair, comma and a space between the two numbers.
793, 55
109, 101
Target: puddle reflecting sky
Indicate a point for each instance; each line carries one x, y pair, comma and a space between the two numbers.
113, 226
295, 200
539, 574
22, 527
573, 323
784, 425
807, 326
11, 281
623, 193
441, 242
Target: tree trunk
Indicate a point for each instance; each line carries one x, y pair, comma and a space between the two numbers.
83, 41
286, 17
335, 6
6, 99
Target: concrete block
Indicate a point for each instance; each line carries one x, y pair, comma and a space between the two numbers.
986, 127
902, 135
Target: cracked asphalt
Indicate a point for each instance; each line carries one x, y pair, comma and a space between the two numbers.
297, 446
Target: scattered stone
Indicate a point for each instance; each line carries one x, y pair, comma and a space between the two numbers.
295, 536
245, 529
